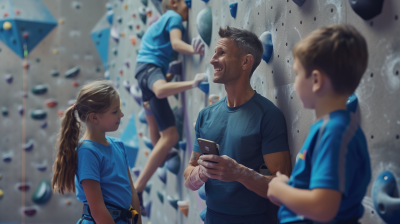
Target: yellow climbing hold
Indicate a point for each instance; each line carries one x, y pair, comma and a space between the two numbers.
7, 25
60, 21
1, 193
126, 6
55, 51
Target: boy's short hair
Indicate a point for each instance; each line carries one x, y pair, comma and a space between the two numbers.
246, 42
338, 50
165, 5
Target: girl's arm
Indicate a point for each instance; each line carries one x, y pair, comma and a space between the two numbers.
317, 204
95, 200
178, 44
135, 200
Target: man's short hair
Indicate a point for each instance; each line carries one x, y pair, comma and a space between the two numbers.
338, 50
246, 42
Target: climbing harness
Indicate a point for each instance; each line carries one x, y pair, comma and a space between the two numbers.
118, 212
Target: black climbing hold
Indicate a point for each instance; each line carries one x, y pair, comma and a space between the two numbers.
55, 73
4, 111
39, 89
38, 114
119, 19
299, 2
73, 72
367, 9
42, 193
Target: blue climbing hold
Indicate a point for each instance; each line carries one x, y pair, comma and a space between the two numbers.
43, 125
162, 174
28, 146
148, 188
148, 143
352, 103
383, 194
42, 193
73, 72
110, 16
38, 114
202, 192
204, 25
182, 145
367, 9
299, 2
205, 87
188, 3
4, 111
266, 40
148, 208
9, 78
39, 89
160, 196
136, 171
206, 1
142, 116
173, 202
174, 164
203, 214
233, 9
21, 110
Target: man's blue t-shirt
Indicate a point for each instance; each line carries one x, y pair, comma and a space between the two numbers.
334, 156
156, 45
109, 166
244, 133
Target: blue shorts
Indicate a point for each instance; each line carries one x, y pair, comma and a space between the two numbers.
213, 217
147, 74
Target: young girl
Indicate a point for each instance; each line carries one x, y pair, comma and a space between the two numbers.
96, 167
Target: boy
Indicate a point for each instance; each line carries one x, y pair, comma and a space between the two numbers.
161, 39
332, 170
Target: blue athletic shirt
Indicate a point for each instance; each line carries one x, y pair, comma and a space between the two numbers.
334, 156
107, 165
156, 45
244, 133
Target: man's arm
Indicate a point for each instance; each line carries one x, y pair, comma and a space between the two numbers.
192, 171
317, 204
227, 169
135, 199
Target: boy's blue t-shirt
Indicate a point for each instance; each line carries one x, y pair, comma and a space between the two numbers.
156, 45
244, 133
109, 166
334, 156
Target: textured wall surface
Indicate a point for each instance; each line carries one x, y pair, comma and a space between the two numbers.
288, 24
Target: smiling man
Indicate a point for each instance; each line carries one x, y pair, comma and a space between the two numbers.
250, 130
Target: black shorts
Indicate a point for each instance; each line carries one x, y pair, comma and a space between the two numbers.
147, 74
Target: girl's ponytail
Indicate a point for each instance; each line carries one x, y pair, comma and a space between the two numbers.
67, 157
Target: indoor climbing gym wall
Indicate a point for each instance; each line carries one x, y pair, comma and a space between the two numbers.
50, 48
46, 55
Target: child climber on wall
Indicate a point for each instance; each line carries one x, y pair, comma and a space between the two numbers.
160, 40
96, 166
332, 170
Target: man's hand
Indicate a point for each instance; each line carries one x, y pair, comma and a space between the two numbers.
275, 185
225, 168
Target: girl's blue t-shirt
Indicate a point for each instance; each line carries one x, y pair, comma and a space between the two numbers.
156, 45
109, 166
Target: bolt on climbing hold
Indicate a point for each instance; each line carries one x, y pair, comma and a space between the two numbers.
202, 192
60, 21
173, 164
140, 34
184, 207
352, 103
160, 196
60, 113
175, 68
73, 72
204, 25
206, 1
38, 114
110, 16
213, 98
233, 9
133, 40
188, 3
9, 78
25, 65
162, 174
182, 145
145, 2
51, 103
367, 9
23, 186
43, 125
266, 40
148, 188
7, 25
28, 146
1, 193
54, 73
126, 6
172, 201
42, 193
30, 211
55, 51
136, 171
148, 12
299, 2
205, 87
4, 111
39, 89
75, 84
203, 214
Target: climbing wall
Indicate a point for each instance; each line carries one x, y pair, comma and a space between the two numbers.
280, 25
54, 35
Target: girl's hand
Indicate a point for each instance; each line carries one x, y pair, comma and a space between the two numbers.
198, 46
274, 187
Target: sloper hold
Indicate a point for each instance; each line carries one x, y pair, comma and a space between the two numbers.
233, 9
28, 146
202, 192
203, 214
23, 186
352, 103
51, 103
205, 87
42, 193
175, 68
160, 196
174, 164
386, 203
367, 9
9, 79
148, 188
54, 73
39, 89
7, 156
182, 145
73, 72
173, 202
188, 3
299, 2
38, 114
184, 207
266, 40
162, 174
204, 25
30, 211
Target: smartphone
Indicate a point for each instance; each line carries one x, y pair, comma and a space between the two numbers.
208, 147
